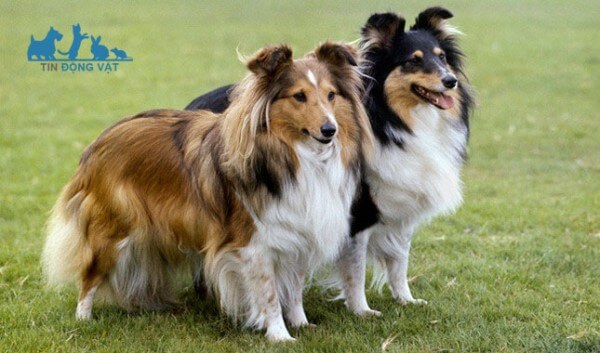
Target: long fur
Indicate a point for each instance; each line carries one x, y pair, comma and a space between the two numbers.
420, 147
259, 195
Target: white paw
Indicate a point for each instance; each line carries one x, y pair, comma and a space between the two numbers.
304, 323
367, 312
370, 312
83, 315
279, 334
297, 319
363, 310
280, 337
412, 301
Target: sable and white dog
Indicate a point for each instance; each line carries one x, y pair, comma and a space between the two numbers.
261, 193
418, 101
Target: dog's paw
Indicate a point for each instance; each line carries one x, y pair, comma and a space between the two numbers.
367, 312
412, 301
277, 333
302, 324
280, 337
82, 315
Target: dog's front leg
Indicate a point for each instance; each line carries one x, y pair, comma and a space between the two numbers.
265, 306
294, 310
351, 267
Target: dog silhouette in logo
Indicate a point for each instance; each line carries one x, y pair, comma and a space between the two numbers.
44, 48
120, 54
77, 39
100, 51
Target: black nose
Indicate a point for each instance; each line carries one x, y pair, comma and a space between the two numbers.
449, 81
328, 130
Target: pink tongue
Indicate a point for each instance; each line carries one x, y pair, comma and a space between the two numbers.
443, 101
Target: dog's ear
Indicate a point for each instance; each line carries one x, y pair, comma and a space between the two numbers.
381, 28
341, 60
337, 55
434, 19
270, 61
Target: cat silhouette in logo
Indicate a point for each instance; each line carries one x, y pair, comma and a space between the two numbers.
44, 48
120, 54
77, 39
100, 51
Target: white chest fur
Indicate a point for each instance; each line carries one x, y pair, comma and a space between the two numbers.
311, 219
422, 179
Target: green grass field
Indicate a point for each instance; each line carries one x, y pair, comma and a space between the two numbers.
517, 269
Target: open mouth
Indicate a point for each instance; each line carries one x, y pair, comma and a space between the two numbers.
438, 99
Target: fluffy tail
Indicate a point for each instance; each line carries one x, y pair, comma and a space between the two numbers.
66, 251
143, 276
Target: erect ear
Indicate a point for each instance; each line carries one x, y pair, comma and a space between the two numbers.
336, 54
270, 60
380, 29
434, 19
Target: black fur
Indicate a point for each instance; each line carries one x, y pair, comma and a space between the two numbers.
427, 19
216, 101
364, 211
380, 61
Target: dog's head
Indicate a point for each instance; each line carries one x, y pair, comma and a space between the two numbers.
306, 101
421, 65
54, 34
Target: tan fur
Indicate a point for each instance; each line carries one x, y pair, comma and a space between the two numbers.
347, 78
401, 98
167, 185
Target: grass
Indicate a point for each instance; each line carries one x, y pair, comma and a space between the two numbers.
515, 270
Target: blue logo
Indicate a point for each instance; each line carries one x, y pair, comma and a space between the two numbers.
100, 58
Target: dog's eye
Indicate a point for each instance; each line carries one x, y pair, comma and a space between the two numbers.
442, 56
331, 96
300, 97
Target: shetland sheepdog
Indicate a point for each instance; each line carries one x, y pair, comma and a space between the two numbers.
418, 100
260, 195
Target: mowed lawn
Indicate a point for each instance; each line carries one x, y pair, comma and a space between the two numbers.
516, 269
